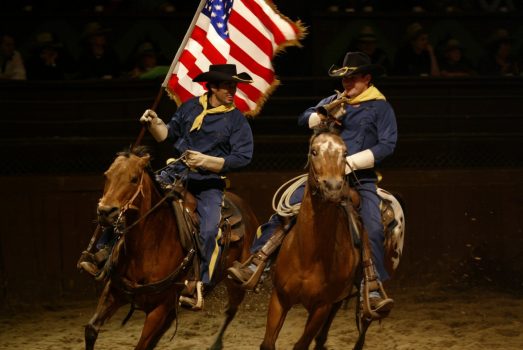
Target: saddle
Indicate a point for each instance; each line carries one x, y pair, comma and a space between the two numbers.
184, 204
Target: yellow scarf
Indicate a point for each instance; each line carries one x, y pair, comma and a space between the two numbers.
198, 121
372, 93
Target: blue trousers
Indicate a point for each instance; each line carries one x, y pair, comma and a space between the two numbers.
209, 211
209, 196
370, 215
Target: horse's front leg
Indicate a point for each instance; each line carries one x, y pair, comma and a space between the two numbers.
275, 318
107, 306
315, 321
157, 322
235, 297
321, 338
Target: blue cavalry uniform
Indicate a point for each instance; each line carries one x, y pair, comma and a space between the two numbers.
368, 125
226, 135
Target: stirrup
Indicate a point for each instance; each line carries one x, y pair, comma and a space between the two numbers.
196, 302
379, 311
252, 283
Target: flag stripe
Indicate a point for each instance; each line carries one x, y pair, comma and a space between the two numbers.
247, 33
264, 18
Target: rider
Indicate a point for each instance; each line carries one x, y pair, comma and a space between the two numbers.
369, 130
214, 138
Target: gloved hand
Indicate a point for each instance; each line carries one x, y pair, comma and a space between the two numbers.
336, 108
195, 159
360, 160
155, 125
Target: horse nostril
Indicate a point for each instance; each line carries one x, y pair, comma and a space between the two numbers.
332, 185
106, 211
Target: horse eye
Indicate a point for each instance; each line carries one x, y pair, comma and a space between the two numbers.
134, 179
314, 152
345, 154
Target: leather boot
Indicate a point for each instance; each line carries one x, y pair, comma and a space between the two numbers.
375, 303
92, 263
248, 274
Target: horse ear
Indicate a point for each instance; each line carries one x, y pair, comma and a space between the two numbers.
144, 160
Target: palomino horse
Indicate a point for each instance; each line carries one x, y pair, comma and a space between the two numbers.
148, 264
318, 260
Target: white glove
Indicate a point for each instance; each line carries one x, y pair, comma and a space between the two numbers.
155, 125
360, 160
195, 159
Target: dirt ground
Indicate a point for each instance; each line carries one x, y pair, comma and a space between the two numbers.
425, 317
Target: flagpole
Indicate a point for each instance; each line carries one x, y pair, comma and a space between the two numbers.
173, 64
184, 42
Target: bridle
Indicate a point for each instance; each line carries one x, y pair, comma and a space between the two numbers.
314, 182
129, 205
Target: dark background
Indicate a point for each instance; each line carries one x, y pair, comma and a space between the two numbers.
458, 163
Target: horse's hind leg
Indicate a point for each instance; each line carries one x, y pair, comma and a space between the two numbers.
107, 306
315, 321
321, 338
235, 298
275, 318
363, 326
157, 322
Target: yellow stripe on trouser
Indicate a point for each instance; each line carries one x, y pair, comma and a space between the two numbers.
215, 254
258, 232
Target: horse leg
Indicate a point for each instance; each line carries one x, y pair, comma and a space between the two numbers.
364, 325
157, 322
315, 321
275, 318
235, 298
321, 338
107, 306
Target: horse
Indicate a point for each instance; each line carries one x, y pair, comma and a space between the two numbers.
319, 261
148, 263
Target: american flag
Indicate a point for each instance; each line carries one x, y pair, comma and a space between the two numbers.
248, 33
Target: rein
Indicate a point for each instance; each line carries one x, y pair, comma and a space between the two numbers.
129, 205
123, 284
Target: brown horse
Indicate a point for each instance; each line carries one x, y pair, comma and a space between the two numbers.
318, 260
148, 264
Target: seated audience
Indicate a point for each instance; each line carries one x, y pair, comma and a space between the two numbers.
367, 42
453, 63
500, 58
11, 62
49, 61
416, 57
98, 60
147, 63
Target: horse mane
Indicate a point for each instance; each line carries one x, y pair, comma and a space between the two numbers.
139, 151
330, 126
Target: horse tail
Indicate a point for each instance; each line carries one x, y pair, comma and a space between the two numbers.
401, 201
129, 314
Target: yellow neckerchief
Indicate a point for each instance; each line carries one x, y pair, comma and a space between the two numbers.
372, 93
198, 121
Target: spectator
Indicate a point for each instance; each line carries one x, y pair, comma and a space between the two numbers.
147, 63
416, 57
50, 60
99, 60
453, 63
367, 42
497, 5
11, 63
500, 58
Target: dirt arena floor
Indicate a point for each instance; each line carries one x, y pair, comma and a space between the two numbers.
425, 317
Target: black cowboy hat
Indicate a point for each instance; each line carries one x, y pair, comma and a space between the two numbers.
223, 72
356, 63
